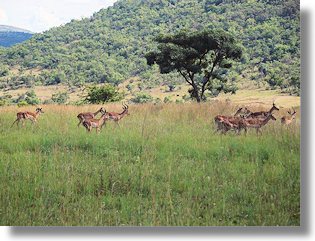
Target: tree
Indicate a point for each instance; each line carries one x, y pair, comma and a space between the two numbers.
102, 94
198, 56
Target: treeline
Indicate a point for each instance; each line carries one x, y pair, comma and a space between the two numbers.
109, 47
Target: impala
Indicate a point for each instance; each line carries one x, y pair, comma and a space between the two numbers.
287, 120
264, 113
256, 123
242, 111
118, 116
27, 115
237, 124
222, 121
89, 115
89, 124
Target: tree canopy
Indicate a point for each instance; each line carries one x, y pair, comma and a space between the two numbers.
199, 57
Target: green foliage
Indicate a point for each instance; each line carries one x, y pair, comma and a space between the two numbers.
102, 94
60, 97
167, 99
29, 98
142, 98
4, 70
200, 57
5, 100
109, 47
22, 103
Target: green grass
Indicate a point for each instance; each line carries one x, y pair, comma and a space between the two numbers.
164, 165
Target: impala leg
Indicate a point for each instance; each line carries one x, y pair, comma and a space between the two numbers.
245, 131
79, 123
16, 121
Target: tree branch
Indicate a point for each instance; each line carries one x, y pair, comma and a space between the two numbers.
207, 76
185, 77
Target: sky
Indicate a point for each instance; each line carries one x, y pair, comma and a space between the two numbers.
40, 15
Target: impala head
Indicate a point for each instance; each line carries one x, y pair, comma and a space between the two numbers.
238, 111
102, 110
39, 110
242, 112
246, 111
126, 108
292, 113
274, 107
104, 114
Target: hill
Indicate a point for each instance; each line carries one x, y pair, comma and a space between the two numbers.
12, 35
110, 45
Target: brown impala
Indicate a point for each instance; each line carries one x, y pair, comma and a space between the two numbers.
222, 121
95, 123
89, 115
240, 123
242, 111
27, 115
118, 116
263, 113
287, 120
256, 123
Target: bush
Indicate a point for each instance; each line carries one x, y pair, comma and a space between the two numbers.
167, 99
30, 98
142, 98
22, 103
102, 94
5, 100
60, 97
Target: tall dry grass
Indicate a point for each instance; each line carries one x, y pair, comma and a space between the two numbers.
164, 165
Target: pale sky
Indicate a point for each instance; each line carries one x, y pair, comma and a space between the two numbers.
40, 15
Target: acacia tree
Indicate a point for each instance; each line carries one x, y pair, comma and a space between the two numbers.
198, 56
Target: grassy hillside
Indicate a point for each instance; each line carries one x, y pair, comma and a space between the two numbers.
110, 45
164, 165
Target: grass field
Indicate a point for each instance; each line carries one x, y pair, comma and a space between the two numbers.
164, 165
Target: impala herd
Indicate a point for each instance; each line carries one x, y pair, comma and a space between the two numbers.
242, 119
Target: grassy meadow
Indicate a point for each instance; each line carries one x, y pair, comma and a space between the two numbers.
164, 165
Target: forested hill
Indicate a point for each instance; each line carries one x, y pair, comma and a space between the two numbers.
110, 45
11, 35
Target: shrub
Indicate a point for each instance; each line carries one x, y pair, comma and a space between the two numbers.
5, 100
60, 97
142, 98
102, 94
167, 99
22, 103
30, 98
